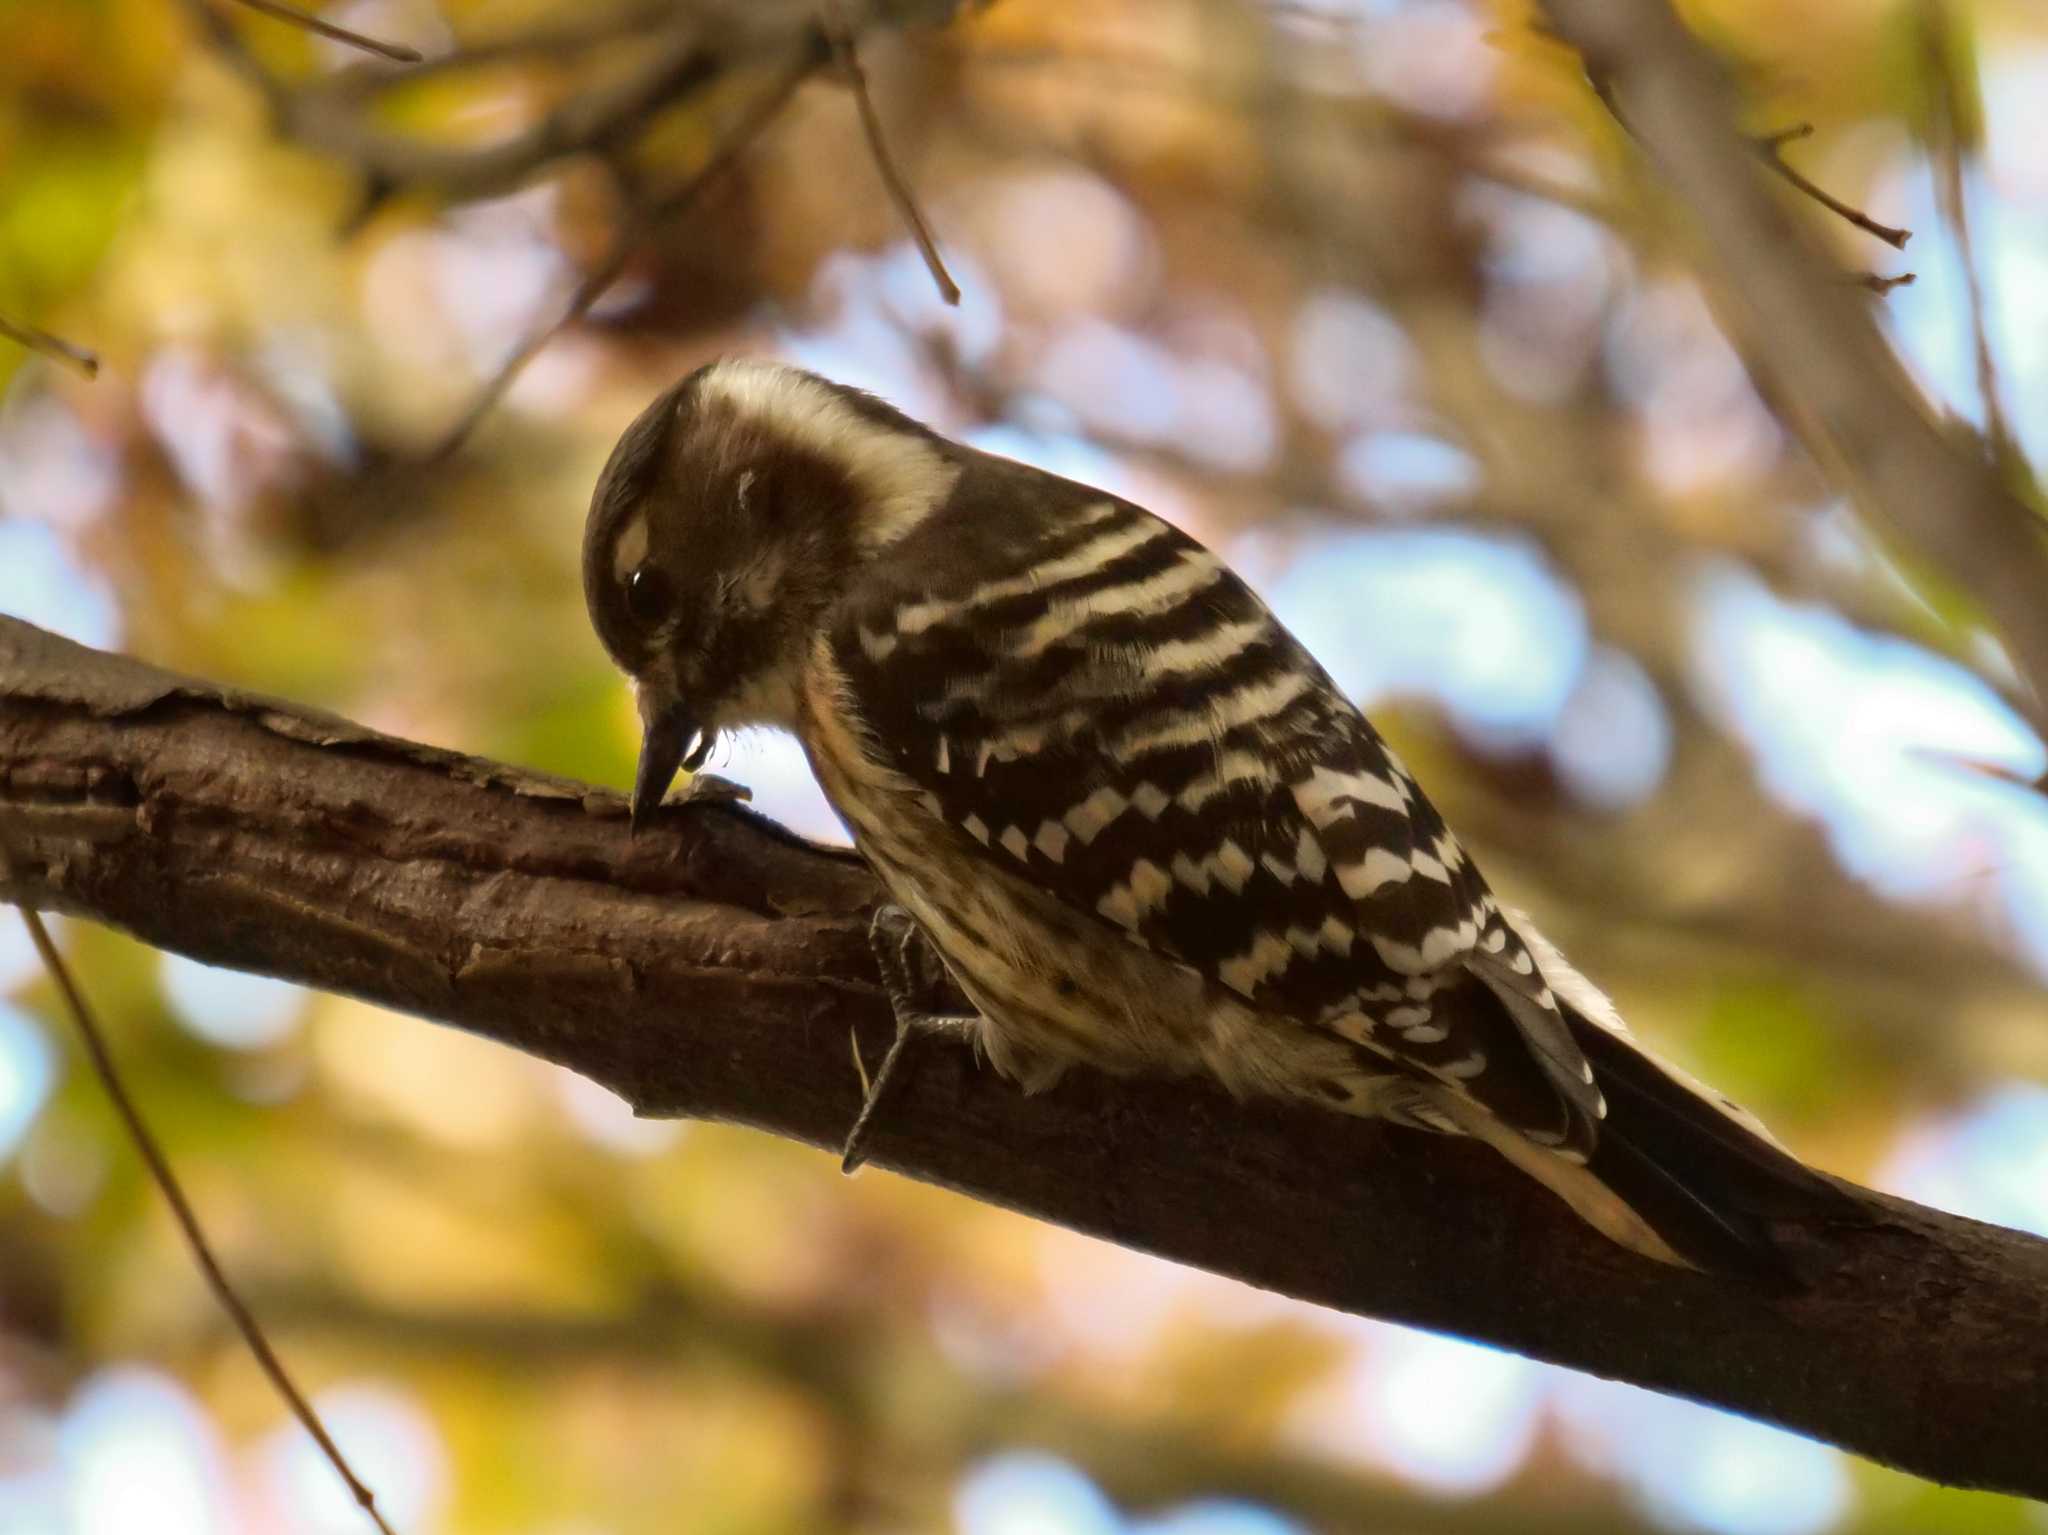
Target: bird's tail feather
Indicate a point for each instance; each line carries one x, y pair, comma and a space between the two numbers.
1709, 1186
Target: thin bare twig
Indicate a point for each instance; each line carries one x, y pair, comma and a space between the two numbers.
633, 228
1771, 145
181, 1208
398, 53
336, 115
1945, 150
1879, 283
553, 38
42, 341
1838, 383
900, 194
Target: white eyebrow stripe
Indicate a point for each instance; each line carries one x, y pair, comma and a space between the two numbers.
904, 477
629, 549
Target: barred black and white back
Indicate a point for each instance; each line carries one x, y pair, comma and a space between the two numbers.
1143, 827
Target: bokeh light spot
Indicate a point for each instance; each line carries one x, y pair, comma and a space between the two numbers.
1028, 1494
28, 1070
230, 1008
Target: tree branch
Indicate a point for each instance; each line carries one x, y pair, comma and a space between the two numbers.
37, 340
1829, 370
643, 215
291, 15
712, 967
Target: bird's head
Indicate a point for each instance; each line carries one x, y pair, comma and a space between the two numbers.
731, 517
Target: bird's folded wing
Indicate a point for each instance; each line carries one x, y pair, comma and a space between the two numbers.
1122, 721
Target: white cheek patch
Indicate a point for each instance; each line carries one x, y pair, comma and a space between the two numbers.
763, 583
629, 550
902, 478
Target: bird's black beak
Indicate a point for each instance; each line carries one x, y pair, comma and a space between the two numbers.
666, 734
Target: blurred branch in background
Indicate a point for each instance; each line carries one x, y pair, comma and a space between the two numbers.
695, 970
846, 52
338, 114
1772, 147
397, 53
689, 52
1828, 370
644, 214
50, 346
1954, 132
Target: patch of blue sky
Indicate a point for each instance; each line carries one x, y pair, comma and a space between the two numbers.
1118, 381
1457, 1418
28, 1070
2009, 220
41, 582
1218, 1516
1453, 1417
1337, 10
1696, 1468
1870, 734
1479, 624
391, 1443
875, 319
18, 959
1435, 57
773, 766
230, 1008
856, 341
496, 270
973, 328
606, 1119
298, 367
1612, 744
1349, 363
31, 1483
1030, 1493
1461, 1419
1406, 471
1027, 1493
137, 1453
52, 468
1136, 389
1056, 451
1988, 1161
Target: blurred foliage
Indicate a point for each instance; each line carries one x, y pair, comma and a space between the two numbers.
1278, 270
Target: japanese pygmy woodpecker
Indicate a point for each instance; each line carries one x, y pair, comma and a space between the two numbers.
1140, 824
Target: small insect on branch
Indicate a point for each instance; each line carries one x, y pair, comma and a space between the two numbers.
102, 1059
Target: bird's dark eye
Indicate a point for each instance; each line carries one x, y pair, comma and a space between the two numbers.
647, 596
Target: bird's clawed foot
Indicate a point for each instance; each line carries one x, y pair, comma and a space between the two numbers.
914, 979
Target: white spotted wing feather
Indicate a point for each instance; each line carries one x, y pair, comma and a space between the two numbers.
1099, 705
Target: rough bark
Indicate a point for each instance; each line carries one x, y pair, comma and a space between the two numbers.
714, 966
